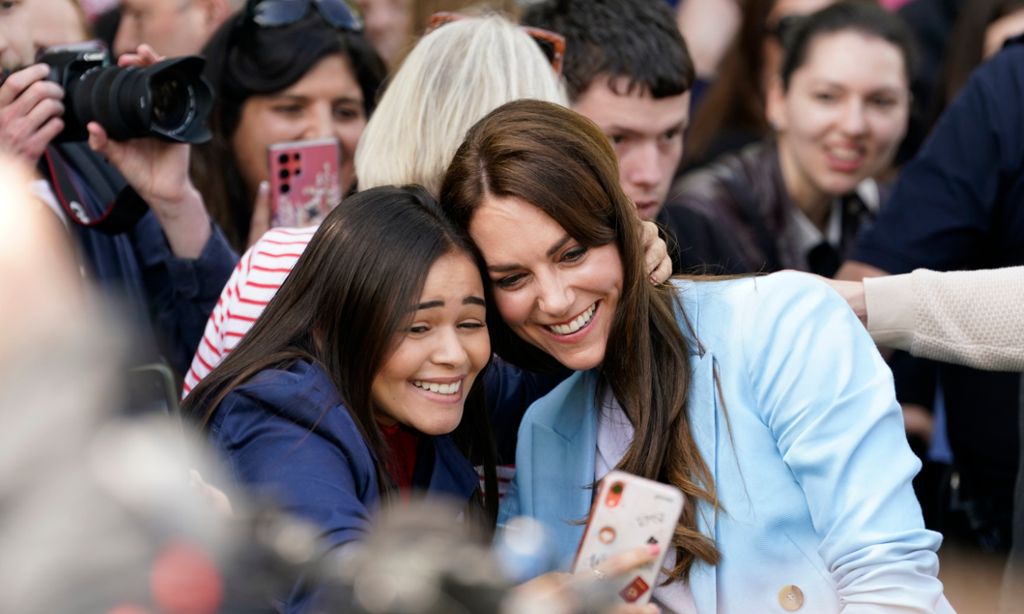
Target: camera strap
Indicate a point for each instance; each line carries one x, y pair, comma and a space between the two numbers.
124, 206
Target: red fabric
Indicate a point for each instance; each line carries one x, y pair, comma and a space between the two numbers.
402, 442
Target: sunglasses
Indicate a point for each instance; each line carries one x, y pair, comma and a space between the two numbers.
552, 44
275, 13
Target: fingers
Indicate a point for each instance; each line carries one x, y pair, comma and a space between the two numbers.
144, 56
633, 608
656, 260
30, 112
631, 559
21, 80
260, 223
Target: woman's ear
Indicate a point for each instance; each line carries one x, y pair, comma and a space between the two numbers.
775, 105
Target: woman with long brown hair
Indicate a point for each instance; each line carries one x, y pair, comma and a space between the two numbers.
762, 399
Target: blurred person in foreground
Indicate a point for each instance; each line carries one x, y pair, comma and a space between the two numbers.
98, 510
627, 68
170, 27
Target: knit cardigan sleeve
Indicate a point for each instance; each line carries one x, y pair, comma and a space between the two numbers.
975, 318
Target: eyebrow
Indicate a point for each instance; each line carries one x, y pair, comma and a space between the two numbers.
469, 300
502, 268
304, 98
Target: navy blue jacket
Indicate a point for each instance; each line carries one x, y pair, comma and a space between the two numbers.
286, 433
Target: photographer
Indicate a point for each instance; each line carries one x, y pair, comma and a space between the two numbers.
169, 263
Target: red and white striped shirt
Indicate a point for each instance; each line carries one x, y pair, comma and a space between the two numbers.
260, 272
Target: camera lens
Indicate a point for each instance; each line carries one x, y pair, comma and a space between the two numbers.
171, 102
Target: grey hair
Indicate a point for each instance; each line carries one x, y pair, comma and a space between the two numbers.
452, 78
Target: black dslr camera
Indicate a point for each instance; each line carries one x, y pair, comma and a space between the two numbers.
169, 100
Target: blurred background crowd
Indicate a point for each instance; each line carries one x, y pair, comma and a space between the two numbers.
879, 145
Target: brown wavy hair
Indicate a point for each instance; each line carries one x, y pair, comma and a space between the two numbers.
560, 162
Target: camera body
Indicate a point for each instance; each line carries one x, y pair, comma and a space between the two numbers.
169, 100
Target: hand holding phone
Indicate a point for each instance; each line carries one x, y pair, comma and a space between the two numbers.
304, 181
630, 512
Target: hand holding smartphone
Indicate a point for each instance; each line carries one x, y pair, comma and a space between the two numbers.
305, 183
630, 512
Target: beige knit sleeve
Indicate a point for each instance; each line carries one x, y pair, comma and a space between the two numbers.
975, 318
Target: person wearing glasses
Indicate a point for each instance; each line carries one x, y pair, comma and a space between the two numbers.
418, 124
627, 68
282, 70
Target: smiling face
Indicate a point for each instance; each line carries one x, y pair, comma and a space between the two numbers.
553, 292
326, 102
843, 116
647, 134
424, 382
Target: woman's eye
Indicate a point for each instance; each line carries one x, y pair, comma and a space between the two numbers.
574, 254
472, 324
346, 114
883, 102
825, 97
510, 281
418, 329
288, 109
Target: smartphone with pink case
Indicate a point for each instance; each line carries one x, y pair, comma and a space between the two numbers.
305, 183
630, 512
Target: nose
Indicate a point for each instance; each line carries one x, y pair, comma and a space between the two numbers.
449, 349
555, 298
321, 122
853, 121
640, 166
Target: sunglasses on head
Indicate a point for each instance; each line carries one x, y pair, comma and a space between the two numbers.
552, 44
275, 13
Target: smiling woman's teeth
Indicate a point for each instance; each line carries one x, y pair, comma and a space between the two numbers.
581, 320
439, 388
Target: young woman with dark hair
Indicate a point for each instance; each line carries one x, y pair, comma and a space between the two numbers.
363, 376
300, 80
762, 399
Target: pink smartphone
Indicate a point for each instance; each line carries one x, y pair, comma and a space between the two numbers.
304, 181
630, 512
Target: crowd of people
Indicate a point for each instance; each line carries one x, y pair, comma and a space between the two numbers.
766, 252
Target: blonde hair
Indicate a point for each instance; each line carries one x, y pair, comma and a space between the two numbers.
453, 77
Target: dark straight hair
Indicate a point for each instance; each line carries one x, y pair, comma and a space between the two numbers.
560, 162
861, 16
244, 59
637, 41
344, 305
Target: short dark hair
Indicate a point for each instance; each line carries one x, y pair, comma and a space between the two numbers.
867, 18
636, 40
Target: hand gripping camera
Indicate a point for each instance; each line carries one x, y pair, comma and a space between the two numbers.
169, 100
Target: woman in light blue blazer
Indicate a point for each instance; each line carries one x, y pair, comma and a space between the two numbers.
761, 398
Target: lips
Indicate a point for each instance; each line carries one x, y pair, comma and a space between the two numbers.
845, 159
574, 325
447, 389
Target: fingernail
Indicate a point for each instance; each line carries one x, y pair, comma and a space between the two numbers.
653, 549
264, 186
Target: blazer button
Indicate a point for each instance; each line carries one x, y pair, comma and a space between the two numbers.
791, 598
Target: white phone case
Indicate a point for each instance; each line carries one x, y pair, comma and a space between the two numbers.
629, 512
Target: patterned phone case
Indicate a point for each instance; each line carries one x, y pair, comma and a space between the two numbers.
304, 181
629, 512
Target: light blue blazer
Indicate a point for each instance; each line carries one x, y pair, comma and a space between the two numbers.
806, 445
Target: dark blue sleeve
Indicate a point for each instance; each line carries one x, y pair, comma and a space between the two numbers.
510, 392
322, 472
180, 292
947, 210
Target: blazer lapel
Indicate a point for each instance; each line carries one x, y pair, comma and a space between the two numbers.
563, 466
704, 418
